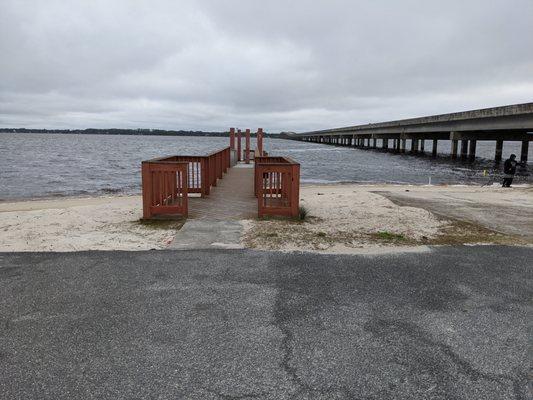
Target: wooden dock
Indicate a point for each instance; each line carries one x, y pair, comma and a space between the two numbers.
232, 199
216, 187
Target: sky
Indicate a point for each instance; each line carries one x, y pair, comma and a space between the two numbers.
282, 65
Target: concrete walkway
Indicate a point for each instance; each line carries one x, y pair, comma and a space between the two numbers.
214, 220
511, 219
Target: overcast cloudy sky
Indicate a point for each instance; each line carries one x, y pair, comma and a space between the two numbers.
283, 65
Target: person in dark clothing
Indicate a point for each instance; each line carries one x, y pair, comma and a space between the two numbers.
509, 169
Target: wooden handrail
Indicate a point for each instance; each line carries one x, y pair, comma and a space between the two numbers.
191, 174
277, 186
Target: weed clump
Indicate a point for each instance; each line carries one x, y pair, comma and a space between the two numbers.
385, 235
303, 213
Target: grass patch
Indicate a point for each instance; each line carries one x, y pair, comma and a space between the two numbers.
462, 232
389, 236
163, 224
278, 234
303, 213
270, 234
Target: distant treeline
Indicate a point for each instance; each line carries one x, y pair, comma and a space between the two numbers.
92, 131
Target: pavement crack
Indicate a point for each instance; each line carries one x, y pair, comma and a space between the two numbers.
280, 321
390, 327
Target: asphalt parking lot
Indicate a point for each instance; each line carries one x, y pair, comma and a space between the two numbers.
451, 323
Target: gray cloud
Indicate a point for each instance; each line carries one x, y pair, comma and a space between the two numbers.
295, 65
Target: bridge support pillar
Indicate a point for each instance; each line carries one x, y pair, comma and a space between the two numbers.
422, 146
464, 148
434, 150
524, 151
499, 150
472, 150
386, 144
374, 143
403, 145
414, 144
455, 144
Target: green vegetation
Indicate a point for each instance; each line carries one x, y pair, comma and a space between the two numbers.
163, 224
385, 235
303, 213
271, 234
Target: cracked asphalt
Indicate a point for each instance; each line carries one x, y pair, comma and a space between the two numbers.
451, 323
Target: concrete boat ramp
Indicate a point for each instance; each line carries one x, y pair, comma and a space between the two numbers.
214, 221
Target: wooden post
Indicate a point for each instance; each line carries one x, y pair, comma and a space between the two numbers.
472, 150
295, 190
499, 149
260, 141
205, 176
239, 146
524, 151
434, 150
247, 150
232, 138
146, 189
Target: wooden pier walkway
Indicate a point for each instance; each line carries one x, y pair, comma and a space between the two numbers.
216, 187
232, 199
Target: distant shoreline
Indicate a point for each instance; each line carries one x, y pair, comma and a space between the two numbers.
126, 132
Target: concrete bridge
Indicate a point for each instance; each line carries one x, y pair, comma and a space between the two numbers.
506, 123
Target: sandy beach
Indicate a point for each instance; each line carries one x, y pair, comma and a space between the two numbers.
74, 224
341, 219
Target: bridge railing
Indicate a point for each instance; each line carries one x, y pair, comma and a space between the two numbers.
166, 181
277, 186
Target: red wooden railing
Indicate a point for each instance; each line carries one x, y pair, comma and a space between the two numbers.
167, 181
164, 187
277, 186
